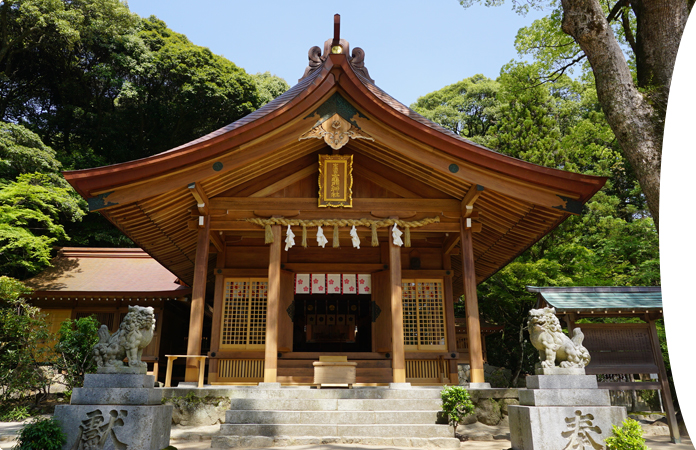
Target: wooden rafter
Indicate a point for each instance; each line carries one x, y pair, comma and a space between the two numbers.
201, 198
470, 198
287, 181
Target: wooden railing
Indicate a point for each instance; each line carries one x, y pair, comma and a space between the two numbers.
426, 370
240, 369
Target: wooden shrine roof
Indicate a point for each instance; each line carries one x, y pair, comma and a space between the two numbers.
258, 166
601, 299
106, 272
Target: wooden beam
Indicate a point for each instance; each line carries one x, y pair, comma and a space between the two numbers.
387, 184
666, 391
397, 317
473, 324
201, 198
217, 241
219, 224
218, 301
270, 371
450, 243
470, 198
200, 276
359, 204
287, 181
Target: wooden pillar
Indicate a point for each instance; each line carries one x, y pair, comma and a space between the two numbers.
473, 325
200, 275
270, 371
397, 315
666, 391
450, 327
217, 316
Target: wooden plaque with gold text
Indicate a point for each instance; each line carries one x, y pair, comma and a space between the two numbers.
336, 181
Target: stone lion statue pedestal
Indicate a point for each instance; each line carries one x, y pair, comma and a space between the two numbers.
118, 407
562, 407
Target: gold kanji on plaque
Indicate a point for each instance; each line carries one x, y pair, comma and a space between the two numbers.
336, 181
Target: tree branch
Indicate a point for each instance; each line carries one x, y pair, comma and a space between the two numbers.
625, 22
616, 10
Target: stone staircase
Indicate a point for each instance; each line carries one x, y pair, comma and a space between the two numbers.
280, 417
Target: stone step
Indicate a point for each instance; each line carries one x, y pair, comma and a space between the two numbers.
340, 430
332, 417
287, 441
328, 404
356, 393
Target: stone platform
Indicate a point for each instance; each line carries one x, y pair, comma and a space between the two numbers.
116, 411
563, 411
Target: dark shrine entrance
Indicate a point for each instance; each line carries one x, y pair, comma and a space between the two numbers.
332, 323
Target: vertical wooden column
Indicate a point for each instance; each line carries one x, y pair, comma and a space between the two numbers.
473, 324
397, 315
450, 327
270, 371
200, 275
217, 316
664, 381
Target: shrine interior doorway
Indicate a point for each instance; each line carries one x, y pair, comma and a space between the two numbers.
329, 323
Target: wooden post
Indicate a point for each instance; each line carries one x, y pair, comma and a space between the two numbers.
450, 327
473, 325
397, 315
666, 391
217, 316
270, 371
200, 275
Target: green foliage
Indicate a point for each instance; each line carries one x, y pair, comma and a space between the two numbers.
35, 202
467, 108
76, 339
41, 434
22, 333
14, 414
269, 86
628, 437
457, 404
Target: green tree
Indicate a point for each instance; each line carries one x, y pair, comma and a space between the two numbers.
76, 340
631, 47
22, 333
35, 202
468, 107
269, 86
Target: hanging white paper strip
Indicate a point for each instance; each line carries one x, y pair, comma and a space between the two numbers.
396, 235
302, 283
321, 239
354, 237
349, 283
333, 283
318, 283
289, 239
364, 284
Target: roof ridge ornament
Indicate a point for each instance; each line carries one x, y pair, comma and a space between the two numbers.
336, 45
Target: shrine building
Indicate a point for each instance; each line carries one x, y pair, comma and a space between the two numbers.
334, 220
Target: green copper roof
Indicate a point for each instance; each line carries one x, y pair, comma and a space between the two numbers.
603, 298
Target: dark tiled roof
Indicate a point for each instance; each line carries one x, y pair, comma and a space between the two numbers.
603, 298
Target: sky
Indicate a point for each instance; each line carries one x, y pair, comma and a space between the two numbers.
416, 47
411, 47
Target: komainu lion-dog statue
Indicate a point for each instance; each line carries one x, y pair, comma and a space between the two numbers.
133, 335
554, 346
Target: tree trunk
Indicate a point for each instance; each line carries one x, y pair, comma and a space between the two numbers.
636, 117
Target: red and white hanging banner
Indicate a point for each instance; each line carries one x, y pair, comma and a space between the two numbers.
364, 284
318, 283
302, 283
333, 283
349, 283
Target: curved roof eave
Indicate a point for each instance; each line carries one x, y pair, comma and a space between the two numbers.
294, 102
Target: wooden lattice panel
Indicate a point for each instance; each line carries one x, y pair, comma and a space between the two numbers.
423, 315
410, 312
431, 370
244, 314
618, 344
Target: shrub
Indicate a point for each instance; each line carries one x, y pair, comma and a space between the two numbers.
76, 340
628, 437
457, 404
15, 414
41, 434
